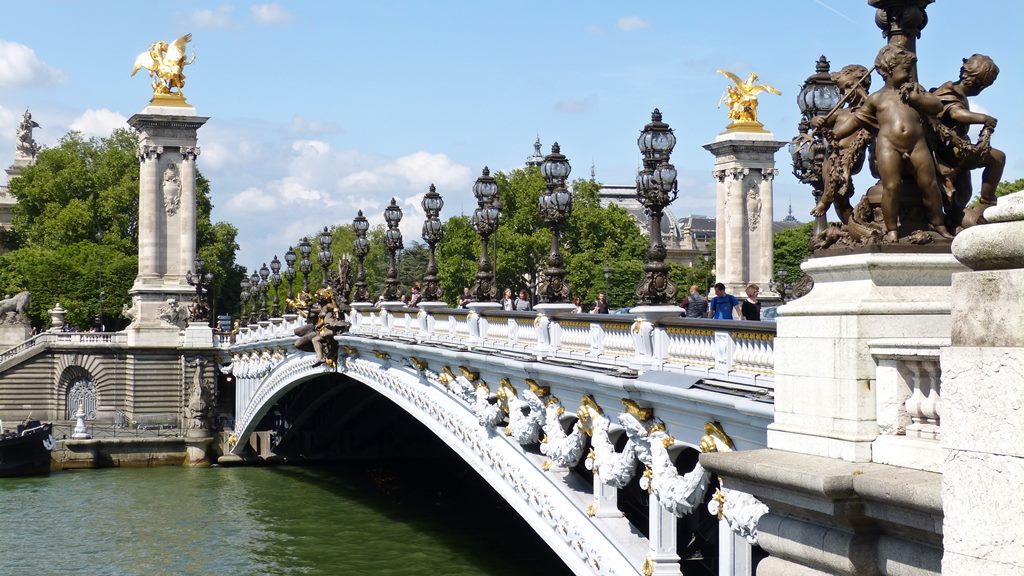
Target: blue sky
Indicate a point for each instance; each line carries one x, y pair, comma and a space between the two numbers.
319, 109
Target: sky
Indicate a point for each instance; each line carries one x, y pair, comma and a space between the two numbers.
318, 109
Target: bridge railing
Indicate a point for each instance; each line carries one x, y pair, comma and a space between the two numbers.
738, 351
77, 339
742, 350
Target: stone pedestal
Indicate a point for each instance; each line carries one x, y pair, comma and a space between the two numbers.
197, 449
167, 221
13, 334
744, 171
824, 372
198, 335
57, 314
644, 335
426, 319
549, 334
478, 324
982, 395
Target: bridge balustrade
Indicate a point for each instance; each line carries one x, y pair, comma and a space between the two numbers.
75, 339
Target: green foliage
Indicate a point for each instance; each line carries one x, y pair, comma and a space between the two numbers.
75, 226
1006, 187
792, 248
594, 237
456, 257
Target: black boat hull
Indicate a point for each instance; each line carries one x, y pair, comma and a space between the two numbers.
27, 455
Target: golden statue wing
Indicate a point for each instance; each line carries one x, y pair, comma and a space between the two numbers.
176, 49
143, 61
767, 88
731, 76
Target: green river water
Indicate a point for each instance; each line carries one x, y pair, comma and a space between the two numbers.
370, 519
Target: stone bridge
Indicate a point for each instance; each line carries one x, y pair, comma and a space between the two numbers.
561, 414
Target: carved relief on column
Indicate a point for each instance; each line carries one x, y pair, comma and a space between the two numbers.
718, 175
171, 189
753, 205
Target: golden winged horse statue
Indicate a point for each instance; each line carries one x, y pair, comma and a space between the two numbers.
166, 64
742, 101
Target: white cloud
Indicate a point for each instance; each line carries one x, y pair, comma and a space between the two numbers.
305, 126
219, 17
19, 66
631, 23
271, 14
253, 200
98, 122
594, 30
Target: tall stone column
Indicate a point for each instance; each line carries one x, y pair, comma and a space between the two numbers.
744, 171
167, 223
187, 247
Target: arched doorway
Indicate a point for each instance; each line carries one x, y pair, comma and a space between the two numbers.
81, 390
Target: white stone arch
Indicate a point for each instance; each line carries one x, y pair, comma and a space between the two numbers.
77, 386
538, 496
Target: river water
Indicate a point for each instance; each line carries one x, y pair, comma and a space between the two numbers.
362, 519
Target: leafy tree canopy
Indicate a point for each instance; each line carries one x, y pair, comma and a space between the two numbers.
75, 229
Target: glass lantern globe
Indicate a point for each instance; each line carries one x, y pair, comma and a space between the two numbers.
393, 214
656, 140
819, 93
485, 188
360, 224
555, 167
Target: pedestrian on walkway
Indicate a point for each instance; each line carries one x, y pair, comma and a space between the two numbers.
751, 307
723, 305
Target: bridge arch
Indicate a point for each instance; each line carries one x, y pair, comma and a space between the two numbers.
518, 477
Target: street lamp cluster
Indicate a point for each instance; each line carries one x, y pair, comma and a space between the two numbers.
485, 222
656, 187
817, 97
201, 279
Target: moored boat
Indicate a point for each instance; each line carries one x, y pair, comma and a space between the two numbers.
26, 451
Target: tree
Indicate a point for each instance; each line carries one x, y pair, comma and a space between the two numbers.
593, 237
1006, 187
75, 228
792, 248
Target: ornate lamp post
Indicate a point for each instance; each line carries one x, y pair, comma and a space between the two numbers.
201, 280
289, 277
817, 97
779, 285
243, 299
361, 247
607, 278
432, 204
393, 242
555, 206
305, 248
264, 275
254, 281
275, 281
655, 189
324, 255
485, 221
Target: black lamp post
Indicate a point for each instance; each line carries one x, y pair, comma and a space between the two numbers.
361, 247
656, 188
324, 255
432, 204
243, 299
780, 283
305, 248
393, 242
485, 221
201, 280
817, 97
555, 206
275, 281
607, 278
254, 281
289, 277
264, 275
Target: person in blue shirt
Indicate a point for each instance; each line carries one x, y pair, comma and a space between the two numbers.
722, 305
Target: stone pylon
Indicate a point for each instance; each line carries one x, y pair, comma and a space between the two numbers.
744, 172
167, 222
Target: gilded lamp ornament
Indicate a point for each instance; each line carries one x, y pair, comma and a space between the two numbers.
166, 65
741, 99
